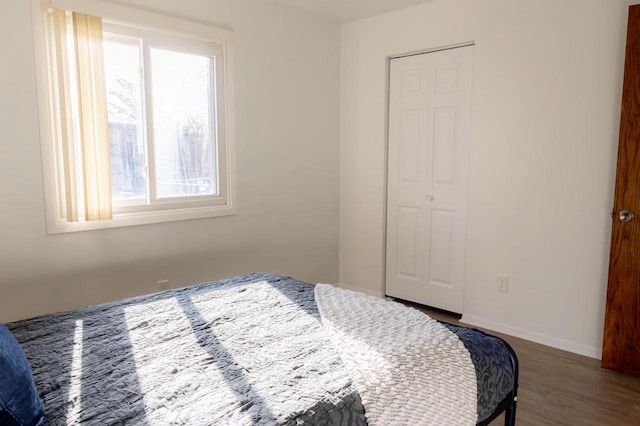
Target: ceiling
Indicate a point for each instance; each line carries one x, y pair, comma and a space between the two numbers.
349, 10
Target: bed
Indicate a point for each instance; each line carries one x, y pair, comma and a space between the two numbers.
259, 349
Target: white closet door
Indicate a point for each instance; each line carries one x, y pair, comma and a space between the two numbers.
429, 121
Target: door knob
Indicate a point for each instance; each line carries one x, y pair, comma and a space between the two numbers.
625, 215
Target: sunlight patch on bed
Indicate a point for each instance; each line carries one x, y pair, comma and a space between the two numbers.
158, 332
252, 353
288, 335
178, 359
75, 380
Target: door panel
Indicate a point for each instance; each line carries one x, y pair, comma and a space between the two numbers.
407, 242
444, 123
621, 342
440, 247
429, 119
406, 175
409, 145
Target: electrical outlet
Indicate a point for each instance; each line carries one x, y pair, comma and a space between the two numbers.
502, 284
163, 285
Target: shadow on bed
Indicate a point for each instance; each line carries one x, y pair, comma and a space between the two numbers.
298, 292
232, 374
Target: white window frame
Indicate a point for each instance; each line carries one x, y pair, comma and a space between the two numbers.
139, 22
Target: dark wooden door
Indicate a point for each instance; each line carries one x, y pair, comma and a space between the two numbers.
621, 343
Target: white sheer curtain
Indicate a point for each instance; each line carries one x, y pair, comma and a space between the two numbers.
94, 125
83, 155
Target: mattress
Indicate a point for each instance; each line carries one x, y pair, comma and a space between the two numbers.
249, 350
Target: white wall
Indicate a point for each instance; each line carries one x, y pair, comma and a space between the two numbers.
546, 101
286, 97
547, 82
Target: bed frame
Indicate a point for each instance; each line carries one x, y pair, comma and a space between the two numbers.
508, 404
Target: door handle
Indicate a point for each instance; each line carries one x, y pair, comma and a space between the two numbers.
625, 215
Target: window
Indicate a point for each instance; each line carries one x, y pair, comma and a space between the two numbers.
135, 116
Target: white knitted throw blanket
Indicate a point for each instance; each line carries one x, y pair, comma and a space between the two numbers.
407, 368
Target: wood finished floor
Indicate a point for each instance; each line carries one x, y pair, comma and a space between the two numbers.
562, 388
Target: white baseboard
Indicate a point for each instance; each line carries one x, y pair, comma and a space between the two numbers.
544, 339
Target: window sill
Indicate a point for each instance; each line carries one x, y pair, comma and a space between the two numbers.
142, 218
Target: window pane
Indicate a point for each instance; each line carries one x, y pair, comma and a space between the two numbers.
124, 106
183, 142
